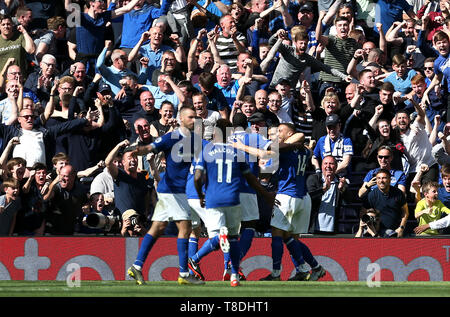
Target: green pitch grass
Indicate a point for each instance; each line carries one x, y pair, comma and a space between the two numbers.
222, 289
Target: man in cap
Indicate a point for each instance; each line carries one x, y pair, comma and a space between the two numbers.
257, 121
335, 144
306, 18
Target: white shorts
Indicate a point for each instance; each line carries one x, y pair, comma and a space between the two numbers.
231, 217
249, 205
212, 218
293, 214
171, 207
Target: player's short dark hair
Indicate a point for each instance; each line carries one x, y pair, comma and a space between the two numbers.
186, 107
290, 126
222, 125
240, 120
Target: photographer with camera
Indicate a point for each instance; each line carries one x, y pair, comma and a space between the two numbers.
99, 217
132, 225
369, 223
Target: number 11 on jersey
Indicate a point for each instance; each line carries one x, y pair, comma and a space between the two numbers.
229, 170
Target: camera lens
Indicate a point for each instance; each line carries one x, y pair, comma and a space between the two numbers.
133, 221
368, 219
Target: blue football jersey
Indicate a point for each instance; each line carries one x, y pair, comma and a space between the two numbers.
179, 152
254, 140
224, 167
291, 172
191, 192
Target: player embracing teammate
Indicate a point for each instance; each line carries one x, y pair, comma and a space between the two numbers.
220, 169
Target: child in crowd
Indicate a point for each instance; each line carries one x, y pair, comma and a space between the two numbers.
430, 208
9, 205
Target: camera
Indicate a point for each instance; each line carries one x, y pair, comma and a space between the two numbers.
368, 219
134, 220
100, 221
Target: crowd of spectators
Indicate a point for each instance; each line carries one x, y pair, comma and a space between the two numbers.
366, 82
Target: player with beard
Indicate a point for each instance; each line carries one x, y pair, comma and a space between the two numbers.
225, 170
178, 148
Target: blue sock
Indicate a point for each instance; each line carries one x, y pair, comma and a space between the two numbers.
277, 252
209, 246
234, 255
295, 250
192, 247
307, 255
245, 241
182, 247
146, 246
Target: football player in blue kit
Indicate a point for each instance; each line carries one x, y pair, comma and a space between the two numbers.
291, 216
248, 197
179, 147
225, 168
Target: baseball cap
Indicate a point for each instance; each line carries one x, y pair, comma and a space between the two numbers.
129, 213
306, 7
256, 117
284, 81
104, 87
332, 119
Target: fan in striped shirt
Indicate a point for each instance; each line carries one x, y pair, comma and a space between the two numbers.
302, 110
230, 42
